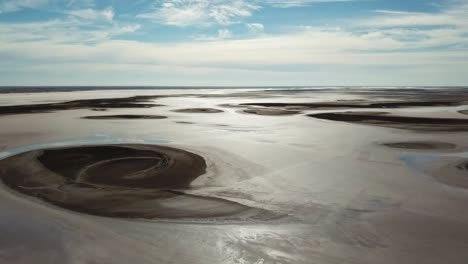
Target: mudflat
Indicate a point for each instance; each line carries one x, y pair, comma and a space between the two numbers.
131, 181
303, 175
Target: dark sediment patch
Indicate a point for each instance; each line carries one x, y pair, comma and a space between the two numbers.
270, 111
393, 121
231, 105
453, 173
295, 108
441, 93
102, 103
355, 104
198, 110
184, 122
125, 117
421, 145
452, 94
130, 181
465, 112
463, 166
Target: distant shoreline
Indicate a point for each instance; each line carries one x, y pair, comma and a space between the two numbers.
45, 89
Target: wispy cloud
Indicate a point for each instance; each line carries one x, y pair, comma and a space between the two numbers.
255, 28
452, 15
309, 51
61, 31
199, 12
78, 26
298, 3
309, 47
80, 4
221, 35
16, 5
447, 27
92, 14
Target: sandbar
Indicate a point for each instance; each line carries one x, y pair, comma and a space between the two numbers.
93, 104
394, 121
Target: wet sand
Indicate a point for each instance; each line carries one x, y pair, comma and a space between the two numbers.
125, 117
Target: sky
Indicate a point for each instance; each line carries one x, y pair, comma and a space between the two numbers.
234, 43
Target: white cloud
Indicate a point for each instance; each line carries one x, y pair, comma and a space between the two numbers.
92, 14
105, 73
407, 19
16, 5
80, 26
184, 13
297, 3
331, 56
80, 4
453, 15
448, 27
310, 47
255, 28
224, 34
221, 35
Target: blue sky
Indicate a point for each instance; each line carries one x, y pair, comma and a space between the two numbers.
234, 43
